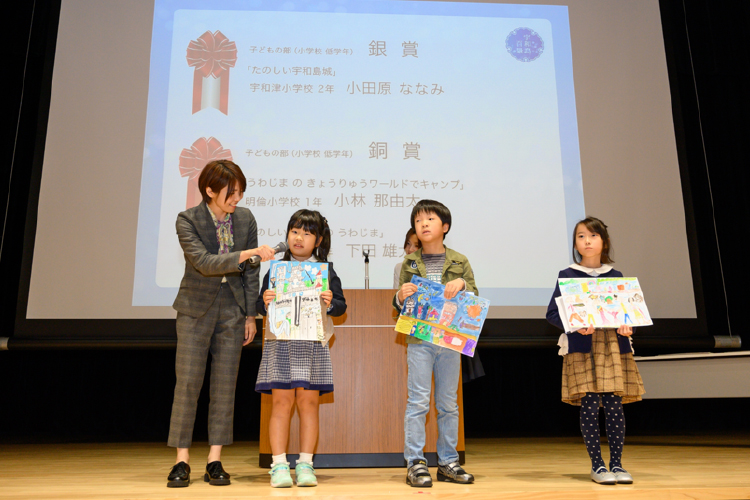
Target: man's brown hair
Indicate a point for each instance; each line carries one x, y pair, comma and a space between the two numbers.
219, 174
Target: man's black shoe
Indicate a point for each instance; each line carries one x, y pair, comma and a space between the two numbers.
216, 475
179, 476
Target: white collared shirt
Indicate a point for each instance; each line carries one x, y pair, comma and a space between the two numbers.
603, 269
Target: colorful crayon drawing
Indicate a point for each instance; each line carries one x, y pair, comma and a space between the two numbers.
296, 313
454, 324
604, 302
576, 310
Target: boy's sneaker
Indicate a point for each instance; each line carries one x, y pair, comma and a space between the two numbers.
305, 474
418, 475
453, 472
280, 477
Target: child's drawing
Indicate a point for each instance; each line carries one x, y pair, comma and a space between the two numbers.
296, 313
604, 302
454, 324
577, 313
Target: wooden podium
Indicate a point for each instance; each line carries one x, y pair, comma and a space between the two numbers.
362, 421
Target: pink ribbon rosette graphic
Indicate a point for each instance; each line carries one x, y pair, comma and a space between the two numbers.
212, 55
194, 160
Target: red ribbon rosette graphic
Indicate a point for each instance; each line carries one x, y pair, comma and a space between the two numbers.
212, 55
194, 160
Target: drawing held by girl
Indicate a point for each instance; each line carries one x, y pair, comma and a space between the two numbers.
598, 365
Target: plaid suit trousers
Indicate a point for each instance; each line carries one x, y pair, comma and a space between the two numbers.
219, 331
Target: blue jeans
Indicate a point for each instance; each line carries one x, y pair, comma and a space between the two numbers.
423, 360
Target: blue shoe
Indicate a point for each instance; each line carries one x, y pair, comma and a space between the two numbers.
280, 476
305, 474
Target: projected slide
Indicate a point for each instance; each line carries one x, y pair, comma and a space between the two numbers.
359, 112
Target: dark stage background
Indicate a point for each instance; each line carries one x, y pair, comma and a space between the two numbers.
126, 395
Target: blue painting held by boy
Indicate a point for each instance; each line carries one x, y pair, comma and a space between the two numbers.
451, 323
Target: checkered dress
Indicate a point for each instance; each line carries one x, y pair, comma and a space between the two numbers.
604, 369
288, 364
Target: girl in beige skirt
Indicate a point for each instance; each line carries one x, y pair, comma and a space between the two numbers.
598, 366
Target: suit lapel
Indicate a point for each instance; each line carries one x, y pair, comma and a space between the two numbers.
207, 229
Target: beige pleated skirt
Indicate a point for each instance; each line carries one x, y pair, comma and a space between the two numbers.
604, 369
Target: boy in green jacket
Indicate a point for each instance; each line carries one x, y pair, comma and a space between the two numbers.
431, 220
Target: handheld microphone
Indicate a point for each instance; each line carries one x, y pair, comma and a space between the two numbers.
280, 247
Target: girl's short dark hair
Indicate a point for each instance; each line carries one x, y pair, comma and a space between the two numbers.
411, 232
427, 206
219, 174
595, 226
314, 223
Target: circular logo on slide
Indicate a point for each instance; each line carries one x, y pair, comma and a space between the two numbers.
524, 44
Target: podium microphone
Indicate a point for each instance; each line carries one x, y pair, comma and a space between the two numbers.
281, 247
366, 255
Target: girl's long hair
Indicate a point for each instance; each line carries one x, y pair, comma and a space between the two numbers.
595, 226
313, 222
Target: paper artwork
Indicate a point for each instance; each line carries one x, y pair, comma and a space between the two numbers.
454, 324
601, 302
296, 313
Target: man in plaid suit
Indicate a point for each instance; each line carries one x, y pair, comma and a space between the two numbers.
215, 313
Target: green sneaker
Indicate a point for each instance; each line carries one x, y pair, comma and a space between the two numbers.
280, 477
305, 474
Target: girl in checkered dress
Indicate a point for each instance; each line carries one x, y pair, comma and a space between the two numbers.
298, 370
598, 365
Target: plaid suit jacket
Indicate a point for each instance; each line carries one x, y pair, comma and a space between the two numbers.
205, 267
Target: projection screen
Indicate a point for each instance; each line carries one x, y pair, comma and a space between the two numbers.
521, 117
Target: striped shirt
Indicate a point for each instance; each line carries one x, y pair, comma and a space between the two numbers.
434, 263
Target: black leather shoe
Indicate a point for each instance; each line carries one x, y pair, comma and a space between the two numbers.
216, 475
454, 473
179, 476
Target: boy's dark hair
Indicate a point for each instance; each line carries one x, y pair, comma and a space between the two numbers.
314, 223
411, 232
427, 206
595, 226
219, 174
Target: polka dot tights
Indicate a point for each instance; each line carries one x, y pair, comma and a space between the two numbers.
615, 422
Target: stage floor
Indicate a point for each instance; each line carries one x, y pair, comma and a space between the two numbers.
528, 468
